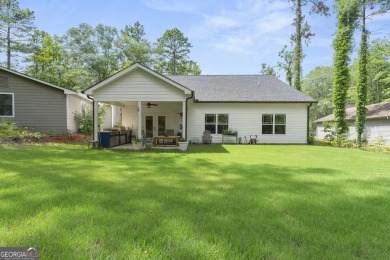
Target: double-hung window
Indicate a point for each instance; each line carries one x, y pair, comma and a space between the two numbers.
273, 124
6, 105
216, 123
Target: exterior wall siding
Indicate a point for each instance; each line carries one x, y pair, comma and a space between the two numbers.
36, 105
247, 120
139, 86
168, 109
373, 129
108, 119
74, 105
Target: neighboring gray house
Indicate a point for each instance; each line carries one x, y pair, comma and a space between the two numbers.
34, 103
377, 122
259, 105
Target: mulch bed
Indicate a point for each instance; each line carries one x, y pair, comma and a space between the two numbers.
65, 139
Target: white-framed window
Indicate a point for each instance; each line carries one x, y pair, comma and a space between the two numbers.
273, 124
7, 105
216, 123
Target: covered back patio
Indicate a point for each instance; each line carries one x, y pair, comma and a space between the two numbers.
151, 104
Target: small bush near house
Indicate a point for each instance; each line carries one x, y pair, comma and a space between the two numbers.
10, 133
85, 119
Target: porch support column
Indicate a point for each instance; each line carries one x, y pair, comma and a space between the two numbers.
184, 123
112, 116
95, 120
139, 118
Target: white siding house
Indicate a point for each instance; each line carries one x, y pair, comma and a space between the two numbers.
247, 120
250, 104
377, 123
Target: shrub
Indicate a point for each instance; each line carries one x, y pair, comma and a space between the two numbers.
85, 120
10, 133
7, 124
379, 141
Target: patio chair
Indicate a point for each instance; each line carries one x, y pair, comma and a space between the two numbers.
207, 138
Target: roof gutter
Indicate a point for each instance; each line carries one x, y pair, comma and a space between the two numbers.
257, 102
93, 113
308, 121
192, 95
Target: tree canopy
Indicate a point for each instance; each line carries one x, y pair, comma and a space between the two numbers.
16, 27
172, 53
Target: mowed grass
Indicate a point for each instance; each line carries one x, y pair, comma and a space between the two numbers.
213, 202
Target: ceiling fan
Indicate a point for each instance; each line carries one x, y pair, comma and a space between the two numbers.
149, 105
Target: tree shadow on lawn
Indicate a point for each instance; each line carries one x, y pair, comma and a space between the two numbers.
115, 205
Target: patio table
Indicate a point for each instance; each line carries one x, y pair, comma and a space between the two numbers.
161, 140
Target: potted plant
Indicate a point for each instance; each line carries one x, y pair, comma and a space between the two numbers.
148, 144
137, 144
230, 135
229, 132
183, 144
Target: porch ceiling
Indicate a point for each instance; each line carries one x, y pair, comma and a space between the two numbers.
135, 103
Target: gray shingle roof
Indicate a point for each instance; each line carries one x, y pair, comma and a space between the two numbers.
379, 110
240, 88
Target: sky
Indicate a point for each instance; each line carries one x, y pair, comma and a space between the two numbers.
228, 37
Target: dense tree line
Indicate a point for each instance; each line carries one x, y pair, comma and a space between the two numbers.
319, 82
86, 54
366, 81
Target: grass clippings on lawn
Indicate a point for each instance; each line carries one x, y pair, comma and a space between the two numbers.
213, 202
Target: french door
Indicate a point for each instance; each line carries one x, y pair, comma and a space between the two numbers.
154, 125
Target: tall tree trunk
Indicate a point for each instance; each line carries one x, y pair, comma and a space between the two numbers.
297, 71
9, 47
378, 93
361, 88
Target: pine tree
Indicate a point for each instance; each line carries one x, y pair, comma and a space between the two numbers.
16, 27
172, 53
302, 32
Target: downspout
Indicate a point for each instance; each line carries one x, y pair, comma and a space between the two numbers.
192, 95
93, 112
308, 116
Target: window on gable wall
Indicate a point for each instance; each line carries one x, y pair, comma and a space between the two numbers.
273, 124
216, 123
6, 105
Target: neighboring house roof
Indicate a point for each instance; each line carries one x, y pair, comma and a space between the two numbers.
66, 91
241, 88
89, 91
374, 111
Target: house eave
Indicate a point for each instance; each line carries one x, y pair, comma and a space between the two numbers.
66, 91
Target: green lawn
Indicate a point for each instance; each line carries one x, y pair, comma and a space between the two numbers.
213, 202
